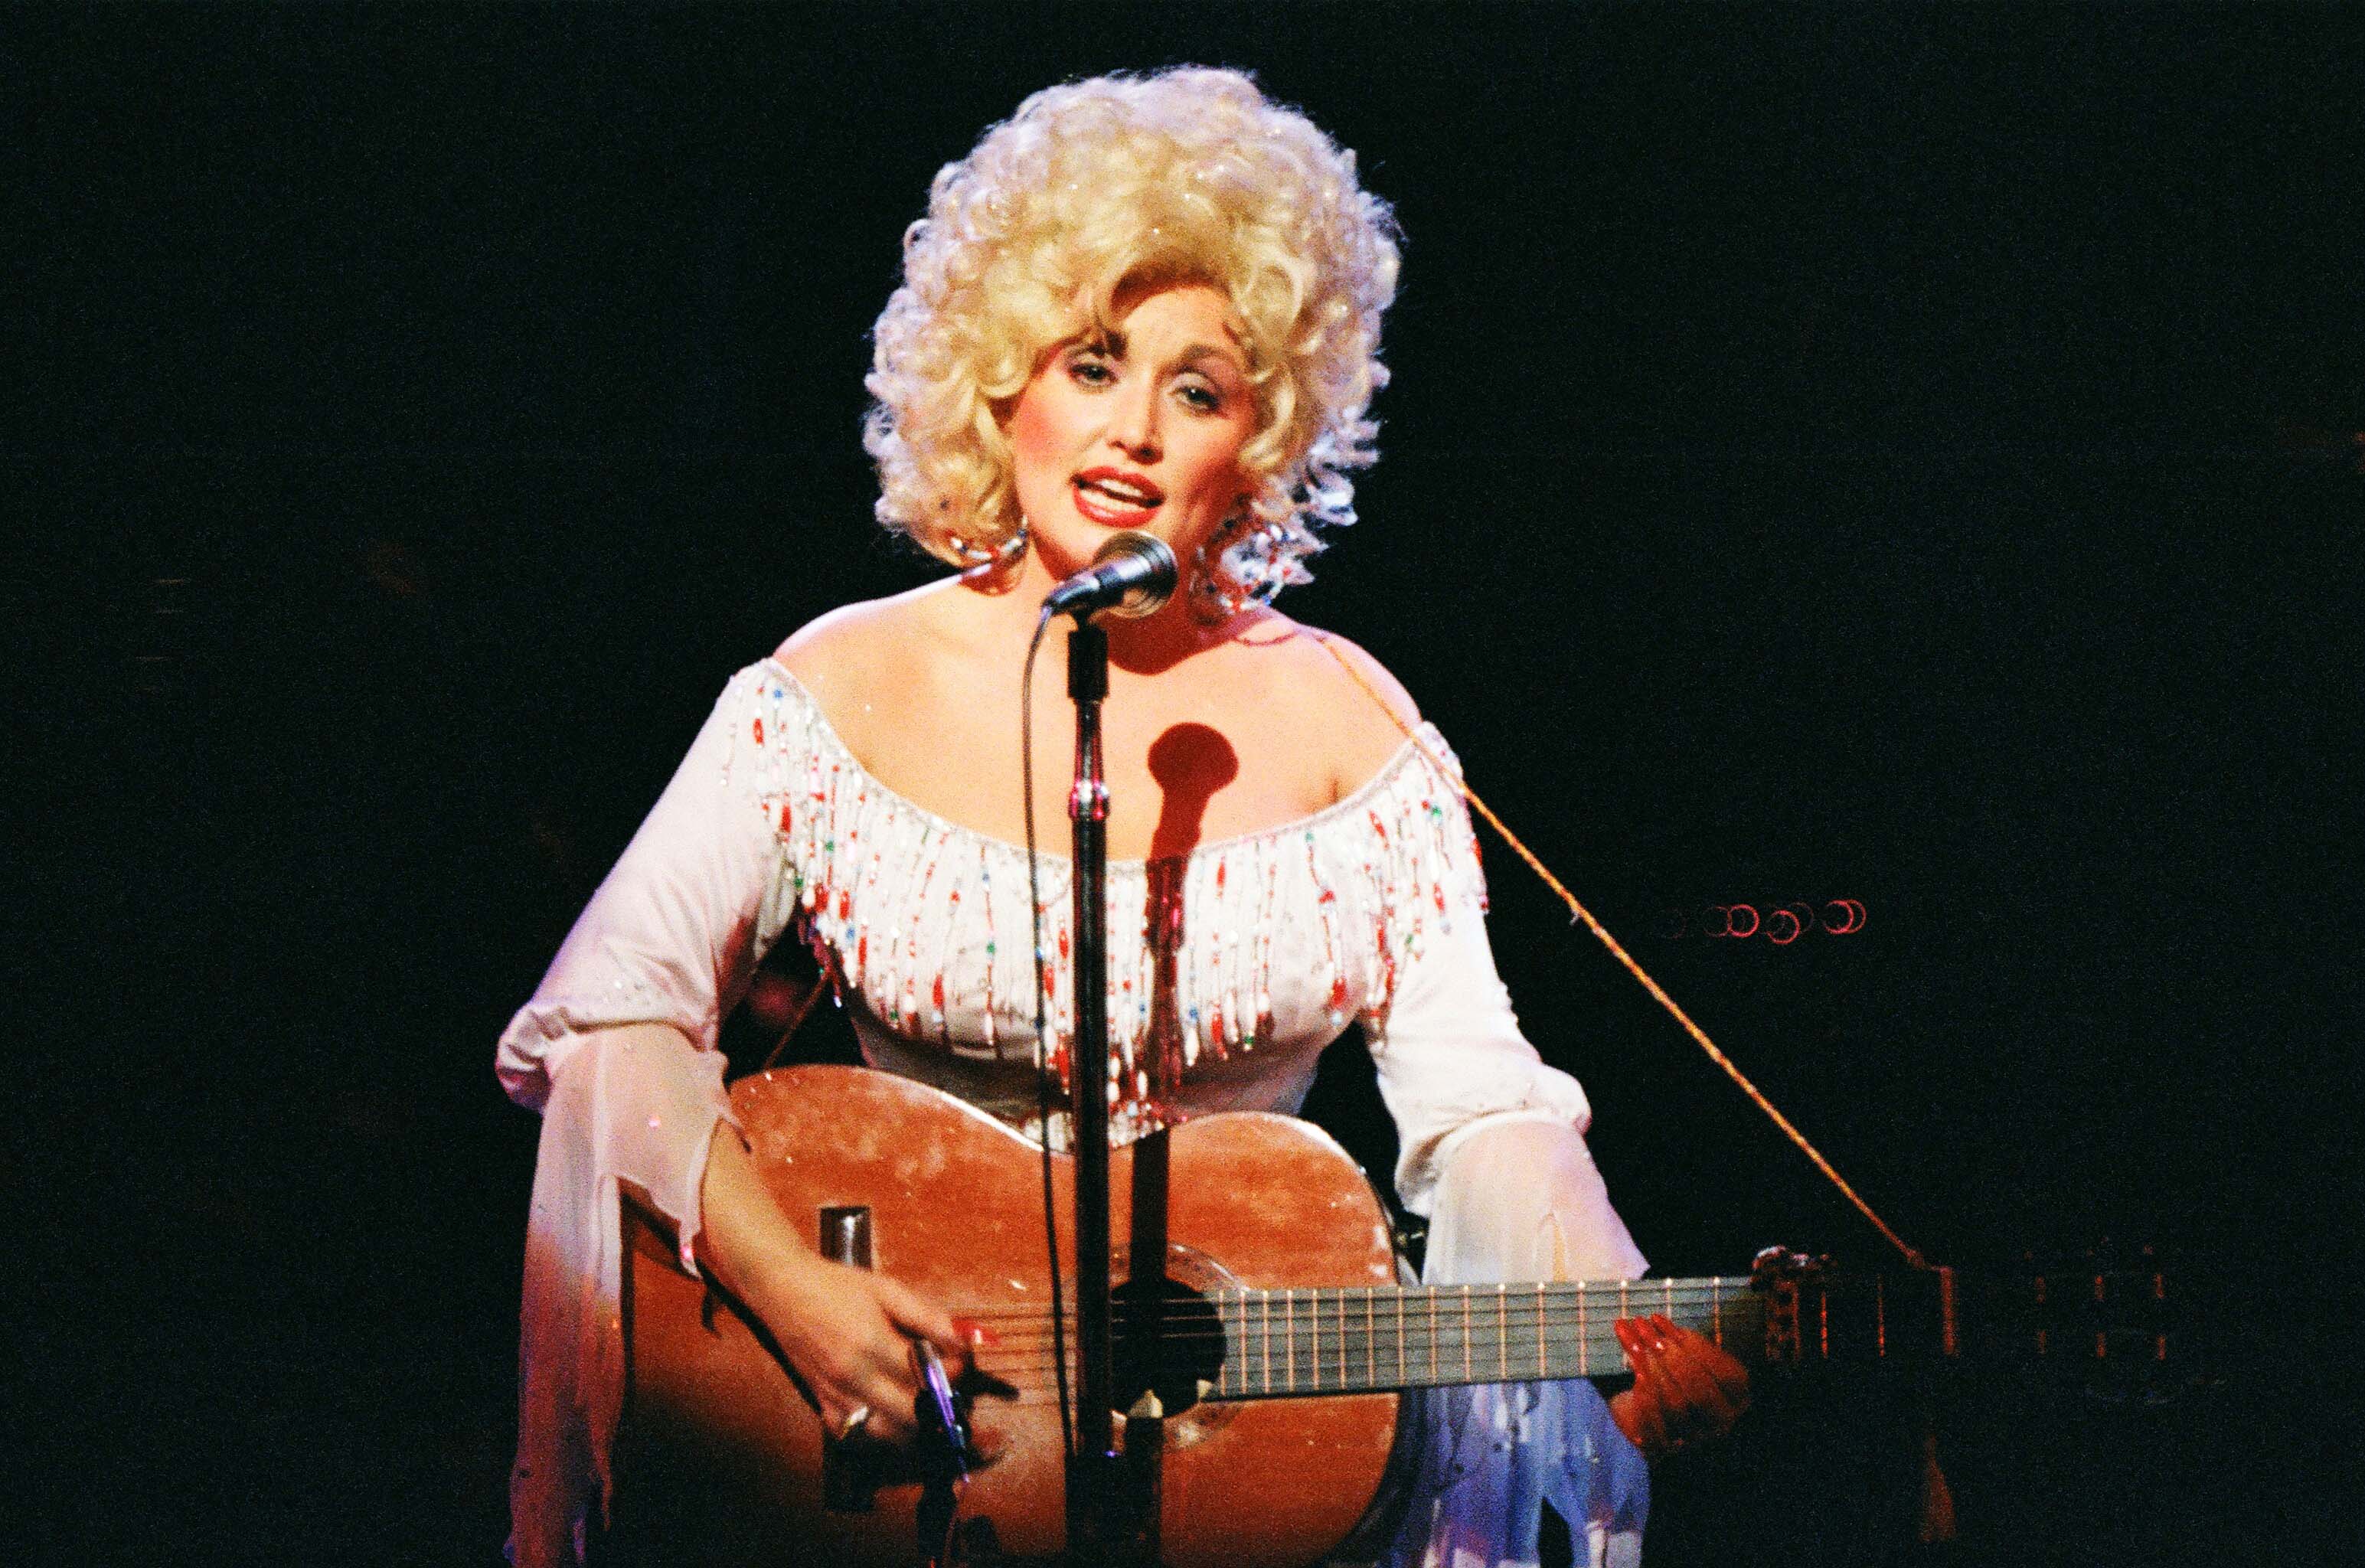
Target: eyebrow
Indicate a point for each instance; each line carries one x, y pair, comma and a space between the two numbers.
1194, 352
1113, 343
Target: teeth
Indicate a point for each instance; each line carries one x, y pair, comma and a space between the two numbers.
1130, 497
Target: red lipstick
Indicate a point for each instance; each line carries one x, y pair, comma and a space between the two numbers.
1115, 496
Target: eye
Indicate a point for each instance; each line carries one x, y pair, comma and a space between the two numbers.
1201, 396
1090, 368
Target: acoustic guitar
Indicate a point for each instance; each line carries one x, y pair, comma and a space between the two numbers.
1260, 1355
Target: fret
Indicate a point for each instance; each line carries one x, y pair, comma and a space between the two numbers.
1289, 1338
1224, 1372
1265, 1298
1502, 1336
1584, 1335
1432, 1338
1716, 1311
1313, 1345
1371, 1338
1400, 1337
1668, 1288
1342, 1339
1465, 1335
1541, 1338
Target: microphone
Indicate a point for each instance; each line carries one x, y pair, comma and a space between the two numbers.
1132, 574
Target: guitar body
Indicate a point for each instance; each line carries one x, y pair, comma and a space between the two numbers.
721, 1459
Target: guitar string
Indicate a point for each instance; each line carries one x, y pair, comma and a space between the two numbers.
1519, 1296
1566, 1325
1370, 1367
1521, 1311
1578, 912
1033, 1354
1554, 1318
1427, 1354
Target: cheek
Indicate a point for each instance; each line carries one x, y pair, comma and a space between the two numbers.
1034, 434
1218, 474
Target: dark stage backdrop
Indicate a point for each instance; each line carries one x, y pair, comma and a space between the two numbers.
1908, 457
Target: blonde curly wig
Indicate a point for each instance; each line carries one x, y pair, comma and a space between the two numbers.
1188, 174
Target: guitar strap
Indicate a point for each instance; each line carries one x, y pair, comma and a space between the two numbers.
1577, 912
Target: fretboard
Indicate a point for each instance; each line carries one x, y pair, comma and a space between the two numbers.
1359, 1339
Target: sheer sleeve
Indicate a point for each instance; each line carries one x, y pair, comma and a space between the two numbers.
1493, 1151
1451, 1057
617, 1051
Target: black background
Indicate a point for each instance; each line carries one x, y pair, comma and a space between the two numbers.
1908, 456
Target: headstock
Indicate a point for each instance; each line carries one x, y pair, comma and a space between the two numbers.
2110, 1320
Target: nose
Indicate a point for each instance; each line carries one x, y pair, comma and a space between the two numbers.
1133, 421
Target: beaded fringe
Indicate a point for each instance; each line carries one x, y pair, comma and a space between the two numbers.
900, 907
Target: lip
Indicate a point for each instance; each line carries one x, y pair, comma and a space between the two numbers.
1107, 508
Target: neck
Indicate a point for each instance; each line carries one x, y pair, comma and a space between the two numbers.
1144, 645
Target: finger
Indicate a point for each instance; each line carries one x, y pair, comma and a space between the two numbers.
1696, 1406
1641, 1420
1649, 1393
1710, 1356
921, 1318
889, 1405
889, 1379
1726, 1375
1697, 1400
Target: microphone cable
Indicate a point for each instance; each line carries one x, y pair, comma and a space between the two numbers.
1043, 1026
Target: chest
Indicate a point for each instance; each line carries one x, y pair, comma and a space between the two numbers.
1185, 765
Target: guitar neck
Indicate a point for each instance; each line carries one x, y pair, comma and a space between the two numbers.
1364, 1340
1354, 1340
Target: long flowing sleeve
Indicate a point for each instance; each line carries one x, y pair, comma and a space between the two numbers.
617, 1051
1493, 1151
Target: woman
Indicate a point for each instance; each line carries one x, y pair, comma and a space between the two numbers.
1143, 303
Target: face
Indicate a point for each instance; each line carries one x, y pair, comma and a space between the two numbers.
1140, 429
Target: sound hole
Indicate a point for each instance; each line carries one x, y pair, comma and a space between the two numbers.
1169, 1336
1168, 1340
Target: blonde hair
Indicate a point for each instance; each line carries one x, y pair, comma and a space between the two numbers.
1189, 174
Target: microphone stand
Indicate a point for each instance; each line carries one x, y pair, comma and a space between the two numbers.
1108, 1522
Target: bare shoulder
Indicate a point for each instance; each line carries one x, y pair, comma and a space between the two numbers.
856, 654
1345, 696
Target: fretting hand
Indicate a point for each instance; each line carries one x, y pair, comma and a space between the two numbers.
1685, 1390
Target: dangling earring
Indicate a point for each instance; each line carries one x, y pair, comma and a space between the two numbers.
1234, 573
1215, 594
992, 567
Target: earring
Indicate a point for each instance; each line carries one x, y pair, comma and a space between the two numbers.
1232, 573
990, 567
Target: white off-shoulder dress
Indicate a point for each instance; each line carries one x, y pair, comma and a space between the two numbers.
1229, 971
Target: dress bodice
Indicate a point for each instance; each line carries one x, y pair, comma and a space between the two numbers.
1229, 968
